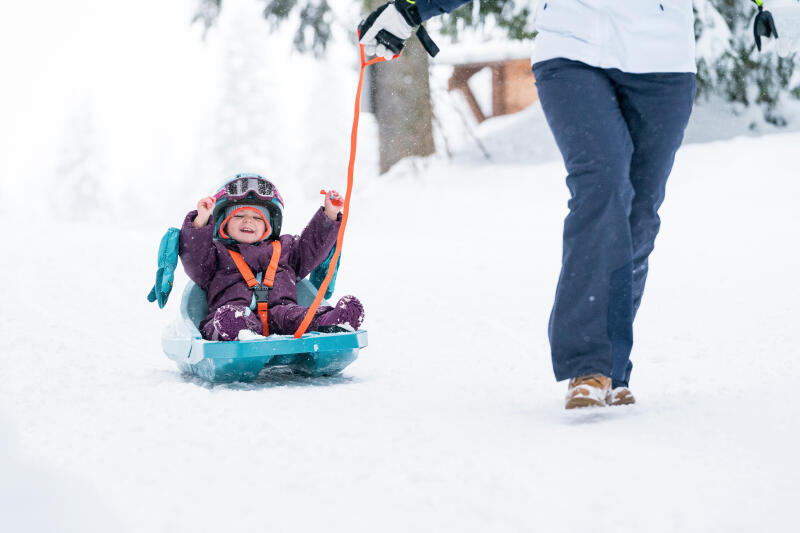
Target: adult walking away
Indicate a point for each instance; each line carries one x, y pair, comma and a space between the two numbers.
616, 81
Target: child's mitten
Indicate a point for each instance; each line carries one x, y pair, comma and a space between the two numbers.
167, 261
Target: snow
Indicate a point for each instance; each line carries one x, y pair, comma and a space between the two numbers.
450, 419
482, 52
247, 335
788, 13
481, 86
715, 35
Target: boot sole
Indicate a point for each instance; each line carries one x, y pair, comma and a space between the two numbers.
627, 401
583, 401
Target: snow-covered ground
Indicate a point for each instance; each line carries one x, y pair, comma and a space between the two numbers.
450, 420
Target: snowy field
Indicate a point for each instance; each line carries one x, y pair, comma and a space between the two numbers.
450, 419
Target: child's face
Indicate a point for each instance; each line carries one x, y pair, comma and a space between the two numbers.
246, 226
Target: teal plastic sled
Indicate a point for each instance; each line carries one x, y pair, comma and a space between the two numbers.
313, 354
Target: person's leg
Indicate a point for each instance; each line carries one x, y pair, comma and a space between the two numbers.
593, 300
656, 108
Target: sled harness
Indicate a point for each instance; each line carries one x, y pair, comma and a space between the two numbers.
260, 290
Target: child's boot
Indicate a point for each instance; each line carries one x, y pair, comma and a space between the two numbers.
588, 391
229, 320
348, 311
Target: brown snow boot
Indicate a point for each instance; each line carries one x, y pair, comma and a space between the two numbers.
620, 396
588, 391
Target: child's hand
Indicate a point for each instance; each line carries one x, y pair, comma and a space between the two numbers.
206, 205
333, 204
204, 209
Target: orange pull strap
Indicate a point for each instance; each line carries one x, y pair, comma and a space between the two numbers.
268, 280
350, 167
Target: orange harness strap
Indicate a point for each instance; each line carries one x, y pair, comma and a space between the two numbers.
261, 290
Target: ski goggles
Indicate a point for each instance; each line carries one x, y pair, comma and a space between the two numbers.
244, 185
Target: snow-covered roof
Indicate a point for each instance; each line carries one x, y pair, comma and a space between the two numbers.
483, 52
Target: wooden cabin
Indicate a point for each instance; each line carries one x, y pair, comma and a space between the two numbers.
512, 83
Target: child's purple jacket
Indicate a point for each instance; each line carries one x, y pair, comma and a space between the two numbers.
209, 264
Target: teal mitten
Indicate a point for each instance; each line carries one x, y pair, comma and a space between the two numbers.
167, 262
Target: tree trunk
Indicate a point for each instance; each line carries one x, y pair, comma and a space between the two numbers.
401, 98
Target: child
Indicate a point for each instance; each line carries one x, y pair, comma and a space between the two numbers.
241, 224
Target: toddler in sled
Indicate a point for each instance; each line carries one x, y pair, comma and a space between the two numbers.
231, 247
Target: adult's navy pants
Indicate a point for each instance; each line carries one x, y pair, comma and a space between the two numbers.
618, 134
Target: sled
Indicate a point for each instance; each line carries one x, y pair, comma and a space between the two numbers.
314, 354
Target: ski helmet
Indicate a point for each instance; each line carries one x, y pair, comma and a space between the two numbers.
248, 189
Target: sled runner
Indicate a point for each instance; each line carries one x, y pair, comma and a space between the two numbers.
314, 354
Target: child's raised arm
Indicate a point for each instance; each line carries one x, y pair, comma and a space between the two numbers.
313, 245
204, 208
197, 251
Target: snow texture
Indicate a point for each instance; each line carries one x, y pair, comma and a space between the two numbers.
248, 335
450, 419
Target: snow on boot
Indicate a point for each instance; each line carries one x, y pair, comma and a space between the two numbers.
229, 320
620, 396
588, 391
348, 311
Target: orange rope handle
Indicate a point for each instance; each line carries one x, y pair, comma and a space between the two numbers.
350, 166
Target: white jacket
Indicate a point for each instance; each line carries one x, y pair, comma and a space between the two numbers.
635, 36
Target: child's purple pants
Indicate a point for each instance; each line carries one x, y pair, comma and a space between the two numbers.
229, 320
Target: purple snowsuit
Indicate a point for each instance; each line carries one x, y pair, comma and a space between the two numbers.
208, 263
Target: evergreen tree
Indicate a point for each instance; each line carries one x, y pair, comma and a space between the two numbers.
729, 64
405, 125
314, 20
513, 18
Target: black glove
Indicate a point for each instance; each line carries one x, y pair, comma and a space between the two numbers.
385, 30
763, 25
